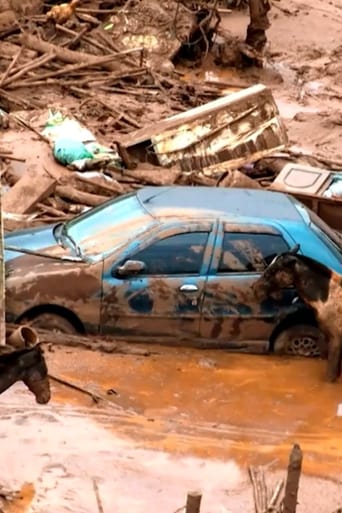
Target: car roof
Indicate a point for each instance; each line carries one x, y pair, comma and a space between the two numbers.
200, 201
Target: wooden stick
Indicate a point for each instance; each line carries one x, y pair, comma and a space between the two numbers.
29, 67
46, 82
96, 11
98, 497
96, 398
11, 66
193, 502
75, 67
28, 125
87, 18
77, 38
17, 100
292, 482
87, 39
10, 157
275, 496
63, 54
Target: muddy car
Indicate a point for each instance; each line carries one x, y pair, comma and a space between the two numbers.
171, 265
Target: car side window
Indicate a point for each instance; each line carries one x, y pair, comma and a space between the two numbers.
249, 252
178, 254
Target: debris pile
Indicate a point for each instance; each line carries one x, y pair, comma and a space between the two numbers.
92, 107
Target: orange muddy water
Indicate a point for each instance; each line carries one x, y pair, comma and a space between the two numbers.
217, 404
174, 421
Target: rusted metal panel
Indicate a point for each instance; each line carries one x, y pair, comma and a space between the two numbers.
222, 134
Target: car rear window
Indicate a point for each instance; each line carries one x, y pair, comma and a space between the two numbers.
249, 252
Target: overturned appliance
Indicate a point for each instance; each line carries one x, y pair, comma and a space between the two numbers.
223, 134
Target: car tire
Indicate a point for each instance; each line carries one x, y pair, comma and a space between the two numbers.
300, 340
51, 321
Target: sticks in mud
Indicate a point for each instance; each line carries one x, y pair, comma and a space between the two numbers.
266, 503
262, 502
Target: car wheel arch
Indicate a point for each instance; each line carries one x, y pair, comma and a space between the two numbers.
57, 310
302, 316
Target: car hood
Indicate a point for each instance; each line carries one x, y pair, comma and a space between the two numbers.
39, 239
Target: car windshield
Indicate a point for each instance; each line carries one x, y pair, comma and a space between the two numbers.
103, 229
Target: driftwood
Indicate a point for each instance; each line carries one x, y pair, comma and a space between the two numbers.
76, 196
70, 56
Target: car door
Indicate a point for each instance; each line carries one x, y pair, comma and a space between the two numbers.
230, 311
164, 299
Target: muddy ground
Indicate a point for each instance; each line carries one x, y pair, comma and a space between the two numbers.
187, 419
303, 68
175, 421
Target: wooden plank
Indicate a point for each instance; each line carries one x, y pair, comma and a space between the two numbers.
36, 174
33, 187
292, 481
193, 502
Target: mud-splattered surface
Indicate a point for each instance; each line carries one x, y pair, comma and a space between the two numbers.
183, 420
303, 69
179, 420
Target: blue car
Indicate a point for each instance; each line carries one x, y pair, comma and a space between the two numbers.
171, 265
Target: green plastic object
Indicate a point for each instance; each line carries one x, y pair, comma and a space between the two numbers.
66, 151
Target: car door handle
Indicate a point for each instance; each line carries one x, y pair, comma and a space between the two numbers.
188, 288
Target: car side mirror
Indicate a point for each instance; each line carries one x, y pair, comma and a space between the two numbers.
130, 267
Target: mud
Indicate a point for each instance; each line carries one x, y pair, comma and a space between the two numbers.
302, 68
179, 420
185, 419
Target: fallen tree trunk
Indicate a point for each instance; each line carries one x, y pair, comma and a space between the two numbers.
76, 196
64, 54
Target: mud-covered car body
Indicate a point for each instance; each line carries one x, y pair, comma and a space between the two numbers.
168, 264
